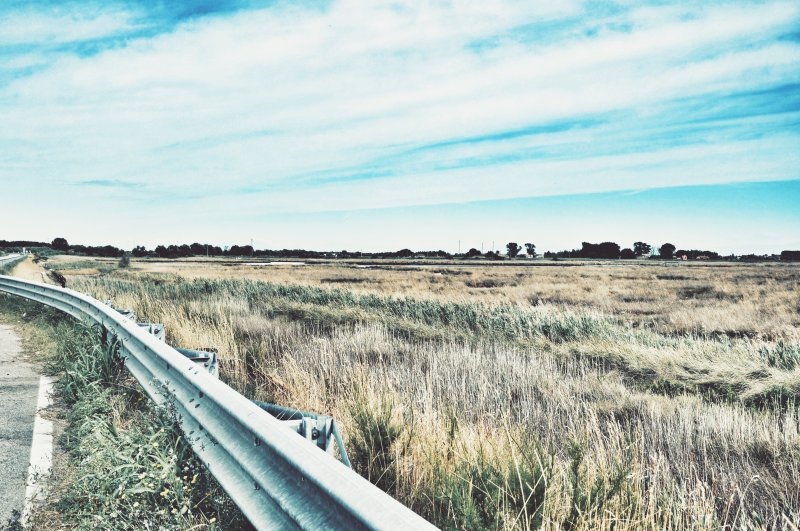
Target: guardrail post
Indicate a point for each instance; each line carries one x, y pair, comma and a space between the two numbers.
322, 430
157, 329
206, 357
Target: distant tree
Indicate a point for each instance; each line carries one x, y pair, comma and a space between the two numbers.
473, 253
627, 254
60, 244
243, 250
198, 249
666, 251
599, 250
790, 256
493, 255
530, 249
404, 253
513, 249
108, 251
641, 249
139, 251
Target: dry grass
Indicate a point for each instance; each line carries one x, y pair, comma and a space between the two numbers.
753, 300
579, 414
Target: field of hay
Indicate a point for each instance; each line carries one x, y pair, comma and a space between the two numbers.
570, 395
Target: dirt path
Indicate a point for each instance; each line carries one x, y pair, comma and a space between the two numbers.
28, 270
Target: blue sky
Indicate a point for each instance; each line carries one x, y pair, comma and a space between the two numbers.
379, 125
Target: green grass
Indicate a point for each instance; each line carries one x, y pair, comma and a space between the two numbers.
5, 269
101, 265
335, 306
128, 466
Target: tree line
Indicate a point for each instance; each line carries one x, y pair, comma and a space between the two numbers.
611, 250
604, 250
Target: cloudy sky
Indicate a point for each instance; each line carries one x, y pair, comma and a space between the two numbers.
378, 125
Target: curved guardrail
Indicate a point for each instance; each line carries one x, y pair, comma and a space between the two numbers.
278, 480
10, 259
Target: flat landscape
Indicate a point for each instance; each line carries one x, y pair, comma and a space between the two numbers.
571, 394
540, 261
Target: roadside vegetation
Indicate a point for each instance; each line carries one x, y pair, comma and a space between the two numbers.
508, 415
6, 268
124, 465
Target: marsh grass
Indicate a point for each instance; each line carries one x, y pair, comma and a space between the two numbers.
758, 301
509, 416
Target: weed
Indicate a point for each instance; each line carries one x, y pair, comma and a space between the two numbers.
373, 450
495, 492
781, 355
129, 467
588, 498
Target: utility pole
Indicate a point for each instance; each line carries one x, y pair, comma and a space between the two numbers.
459, 246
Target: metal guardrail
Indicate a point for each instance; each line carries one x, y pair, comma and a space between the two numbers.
278, 480
10, 258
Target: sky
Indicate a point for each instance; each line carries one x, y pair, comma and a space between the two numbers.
379, 125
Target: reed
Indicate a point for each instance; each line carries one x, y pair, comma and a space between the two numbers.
506, 416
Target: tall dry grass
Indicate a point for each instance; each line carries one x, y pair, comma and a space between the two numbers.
752, 300
509, 416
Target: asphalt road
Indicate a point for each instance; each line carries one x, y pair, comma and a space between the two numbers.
19, 386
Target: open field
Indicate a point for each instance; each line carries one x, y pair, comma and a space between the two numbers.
752, 300
625, 395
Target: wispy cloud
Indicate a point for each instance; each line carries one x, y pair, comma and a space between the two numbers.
345, 105
109, 183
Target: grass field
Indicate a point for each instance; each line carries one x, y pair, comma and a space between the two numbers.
560, 395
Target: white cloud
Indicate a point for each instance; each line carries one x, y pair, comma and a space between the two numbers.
266, 96
60, 24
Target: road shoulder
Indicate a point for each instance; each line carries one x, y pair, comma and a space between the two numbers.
19, 390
